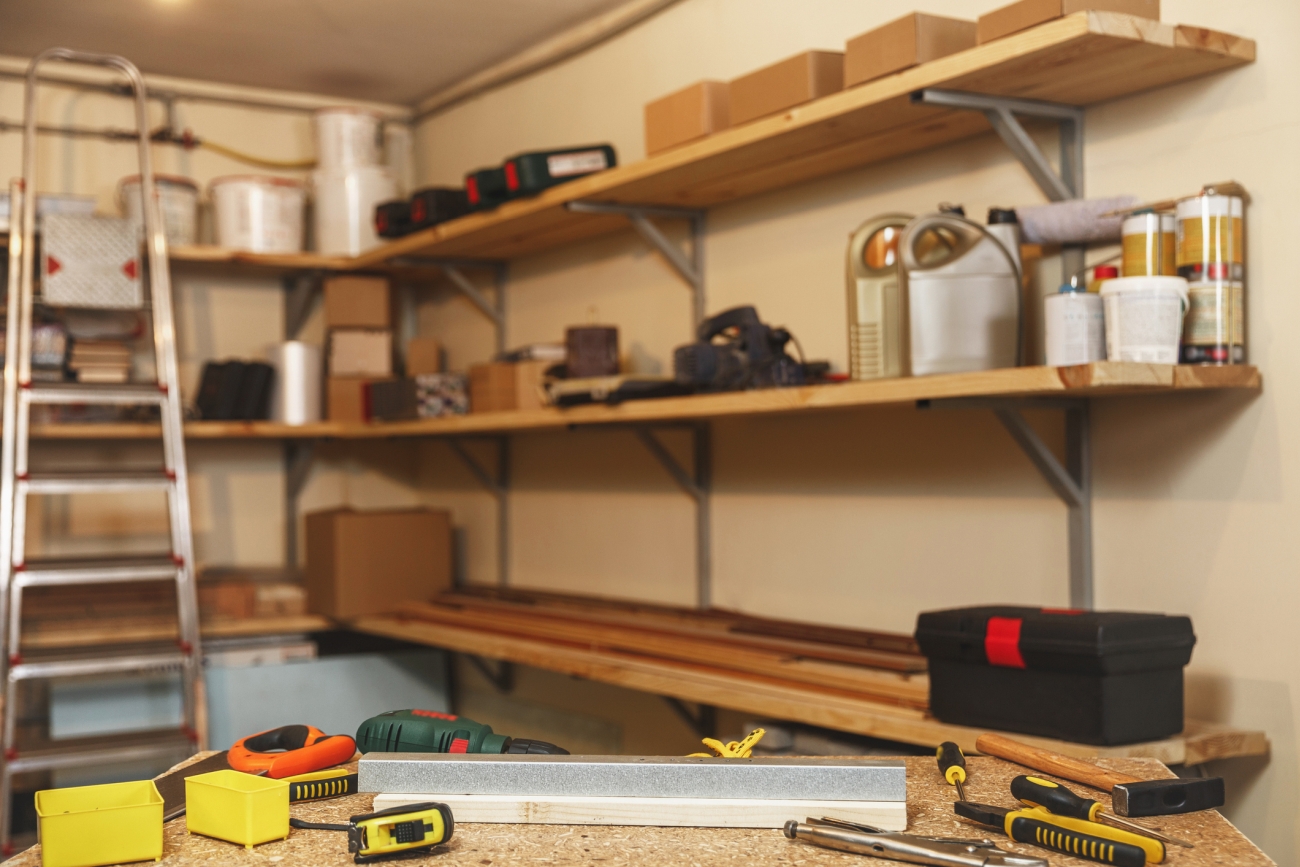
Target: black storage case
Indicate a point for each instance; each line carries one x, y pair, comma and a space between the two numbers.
1094, 677
531, 173
433, 205
486, 188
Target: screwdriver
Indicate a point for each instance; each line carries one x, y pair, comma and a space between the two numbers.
1055, 798
952, 764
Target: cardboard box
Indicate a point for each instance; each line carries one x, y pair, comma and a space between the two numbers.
347, 399
784, 85
242, 598
423, 355
368, 562
903, 43
354, 352
352, 301
506, 386
1029, 13
689, 114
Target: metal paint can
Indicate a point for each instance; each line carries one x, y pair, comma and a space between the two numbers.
1211, 256
1149, 241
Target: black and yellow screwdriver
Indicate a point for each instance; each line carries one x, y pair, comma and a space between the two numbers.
1077, 837
952, 764
1055, 798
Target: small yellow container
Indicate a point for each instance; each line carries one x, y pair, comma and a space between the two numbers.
85, 826
238, 807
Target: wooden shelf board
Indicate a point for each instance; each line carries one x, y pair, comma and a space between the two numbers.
209, 255
767, 696
150, 629
1081, 59
1101, 379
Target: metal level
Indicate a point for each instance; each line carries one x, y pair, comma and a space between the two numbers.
776, 778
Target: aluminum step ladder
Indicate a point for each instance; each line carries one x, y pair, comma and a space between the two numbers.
17, 483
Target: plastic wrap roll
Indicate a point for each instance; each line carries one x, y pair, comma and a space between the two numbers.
296, 397
1077, 221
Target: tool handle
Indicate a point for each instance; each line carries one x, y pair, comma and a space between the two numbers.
1054, 798
1036, 832
952, 762
1051, 763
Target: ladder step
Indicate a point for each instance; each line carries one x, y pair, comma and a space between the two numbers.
103, 750
101, 570
49, 668
80, 392
91, 482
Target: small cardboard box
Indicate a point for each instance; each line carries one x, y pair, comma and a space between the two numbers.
903, 43
353, 301
347, 398
367, 562
423, 355
689, 114
506, 386
1029, 13
357, 352
784, 85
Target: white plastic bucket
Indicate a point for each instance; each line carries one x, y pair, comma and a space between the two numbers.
346, 138
1144, 318
179, 198
259, 214
1074, 330
345, 208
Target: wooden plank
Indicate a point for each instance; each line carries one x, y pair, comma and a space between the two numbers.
147, 630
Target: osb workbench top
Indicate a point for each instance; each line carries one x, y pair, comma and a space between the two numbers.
929, 812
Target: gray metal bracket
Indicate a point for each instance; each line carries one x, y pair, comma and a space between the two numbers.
1071, 480
454, 269
298, 458
1003, 113
704, 722
301, 289
502, 677
689, 268
697, 483
498, 484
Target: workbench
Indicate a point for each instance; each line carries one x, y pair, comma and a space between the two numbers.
929, 812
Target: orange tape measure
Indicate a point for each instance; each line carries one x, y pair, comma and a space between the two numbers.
290, 750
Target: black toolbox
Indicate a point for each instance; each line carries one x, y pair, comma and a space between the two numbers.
1094, 677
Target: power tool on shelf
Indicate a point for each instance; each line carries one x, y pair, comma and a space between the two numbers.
430, 731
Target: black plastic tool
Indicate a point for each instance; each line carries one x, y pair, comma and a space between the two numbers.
1068, 836
952, 764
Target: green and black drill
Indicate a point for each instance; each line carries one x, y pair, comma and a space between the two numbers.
430, 731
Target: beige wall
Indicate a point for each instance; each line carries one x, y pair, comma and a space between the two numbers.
866, 518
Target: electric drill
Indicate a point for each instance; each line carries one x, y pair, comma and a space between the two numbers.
429, 731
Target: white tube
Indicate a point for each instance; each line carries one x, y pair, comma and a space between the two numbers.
296, 396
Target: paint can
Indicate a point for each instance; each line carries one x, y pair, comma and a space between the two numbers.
296, 393
258, 213
346, 138
177, 197
345, 208
1211, 256
1144, 318
1074, 329
1148, 242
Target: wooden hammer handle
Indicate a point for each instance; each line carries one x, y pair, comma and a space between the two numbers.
1051, 763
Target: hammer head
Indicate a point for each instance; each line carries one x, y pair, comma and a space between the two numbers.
1166, 797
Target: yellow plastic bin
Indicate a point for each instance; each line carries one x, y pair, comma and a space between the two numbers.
85, 826
238, 807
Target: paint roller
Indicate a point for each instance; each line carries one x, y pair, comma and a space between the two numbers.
1076, 221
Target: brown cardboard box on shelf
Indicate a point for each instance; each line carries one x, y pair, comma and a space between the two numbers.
1028, 13
243, 598
505, 386
353, 301
346, 399
360, 352
423, 355
903, 43
368, 562
689, 114
783, 85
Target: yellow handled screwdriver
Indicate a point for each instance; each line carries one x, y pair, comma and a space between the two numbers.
1055, 798
952, 764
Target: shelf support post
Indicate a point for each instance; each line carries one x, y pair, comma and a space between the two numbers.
689, 268
301, 291
697, 485
298, 458
502, 677
454, 270
1071, 480
1002, 111
704, 722
498, 485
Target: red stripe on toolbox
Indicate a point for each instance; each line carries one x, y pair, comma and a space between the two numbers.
1002, 642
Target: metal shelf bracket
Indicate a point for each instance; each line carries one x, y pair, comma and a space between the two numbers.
704, 722
498, 484
1072, 480
697, 484
689, 268
455, 269
298, 458
502, 677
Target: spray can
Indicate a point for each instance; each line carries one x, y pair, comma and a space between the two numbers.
1211, 256
1148, 240
1074, 327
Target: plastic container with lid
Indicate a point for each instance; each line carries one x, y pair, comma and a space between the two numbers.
346, 138
1095, 677
345, 208
1073, 327
179, 198
1144, 318
258, 213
